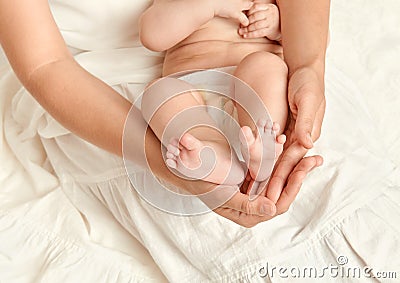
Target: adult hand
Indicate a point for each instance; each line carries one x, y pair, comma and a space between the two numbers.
307, 107
307, 104
246, 212
290, 168
237, 207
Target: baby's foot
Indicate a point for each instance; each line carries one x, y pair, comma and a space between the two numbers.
257, 151
204, 160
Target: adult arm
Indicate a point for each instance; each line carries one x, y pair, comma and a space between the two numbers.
304, 27
44, 65
84, 104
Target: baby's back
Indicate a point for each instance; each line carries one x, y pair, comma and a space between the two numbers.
215, 44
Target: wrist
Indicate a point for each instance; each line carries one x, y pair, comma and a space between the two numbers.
317, 66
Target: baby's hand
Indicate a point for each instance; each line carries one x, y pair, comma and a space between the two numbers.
264, 21
232, 9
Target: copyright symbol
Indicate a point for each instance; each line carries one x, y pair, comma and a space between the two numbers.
342, 260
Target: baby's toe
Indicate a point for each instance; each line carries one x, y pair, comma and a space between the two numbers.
171, 163
173, 150
265, 126
281, 139
174, 142
262, 123
170, 155
276, 127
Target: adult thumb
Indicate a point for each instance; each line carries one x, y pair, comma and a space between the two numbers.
306, 112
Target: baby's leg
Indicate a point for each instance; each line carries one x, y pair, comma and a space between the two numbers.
267, 74
195, 147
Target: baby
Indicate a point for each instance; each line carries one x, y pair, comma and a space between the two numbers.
208, 34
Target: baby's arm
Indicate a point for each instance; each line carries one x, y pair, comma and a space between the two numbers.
168, 22
264, 21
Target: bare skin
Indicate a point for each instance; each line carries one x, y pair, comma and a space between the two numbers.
65, 90
216, 40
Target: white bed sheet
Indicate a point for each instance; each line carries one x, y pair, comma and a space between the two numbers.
43, 237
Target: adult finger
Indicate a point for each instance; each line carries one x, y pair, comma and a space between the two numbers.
316, 132
243, 219
283, 168
307, 107
295, 182
242, 203
306, 96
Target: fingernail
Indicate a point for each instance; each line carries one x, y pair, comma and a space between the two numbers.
267, 210
310, 140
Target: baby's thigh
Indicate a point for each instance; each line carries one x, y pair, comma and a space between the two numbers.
267, 75
262, 67
165, 83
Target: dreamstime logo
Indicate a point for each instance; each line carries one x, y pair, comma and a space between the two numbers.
342, 260
338, 270
159, 193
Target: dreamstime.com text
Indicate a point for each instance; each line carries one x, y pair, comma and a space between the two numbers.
339, 270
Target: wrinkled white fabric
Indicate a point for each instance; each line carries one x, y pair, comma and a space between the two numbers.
69, 214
